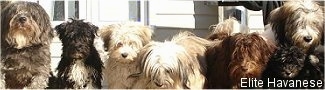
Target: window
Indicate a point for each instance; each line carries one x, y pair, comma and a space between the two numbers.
99, 12
59, 10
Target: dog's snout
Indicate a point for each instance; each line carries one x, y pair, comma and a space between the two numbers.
158, 84
22, 19
124, 55
308, 38
288, 73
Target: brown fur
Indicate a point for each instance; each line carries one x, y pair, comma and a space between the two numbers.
123, 42
238, 56
296, 20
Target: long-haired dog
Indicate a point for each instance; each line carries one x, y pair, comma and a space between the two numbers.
225, 29
123, 42
175, 64
299, 23
80, 66
238, 56
26, 35
286, 63
291, 63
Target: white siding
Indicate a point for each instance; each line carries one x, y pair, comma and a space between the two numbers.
255, 21
168, 17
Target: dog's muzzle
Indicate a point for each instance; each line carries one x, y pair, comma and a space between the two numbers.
124, 55
308, 38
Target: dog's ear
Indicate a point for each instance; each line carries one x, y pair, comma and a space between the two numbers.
146, 34
275, 15
60, 28
105, 34
94, 29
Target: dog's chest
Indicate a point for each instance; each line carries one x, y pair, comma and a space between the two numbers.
80, 74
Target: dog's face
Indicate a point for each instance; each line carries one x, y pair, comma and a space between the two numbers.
299, 23
123, 41
25, 24
163, 66
247, 55
288, 61
77, 38
22, 30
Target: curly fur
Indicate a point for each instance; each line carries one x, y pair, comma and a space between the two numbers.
26, 34
123, 42
286, 63
238, 56
299, 23
291, 63
225, 29
178, 63
80, 66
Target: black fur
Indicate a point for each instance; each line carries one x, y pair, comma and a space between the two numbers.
27, 66
293, 60
77, 39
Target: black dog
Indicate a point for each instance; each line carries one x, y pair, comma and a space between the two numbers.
26, 35
80, 66
291, 63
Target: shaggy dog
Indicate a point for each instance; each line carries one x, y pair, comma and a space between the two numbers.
299, 23
175, 64
80, 66
225, 29
26, 34
238, 56
287, 62
123, 42
291, 63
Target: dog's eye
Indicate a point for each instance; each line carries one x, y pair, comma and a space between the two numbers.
169, 71
119, 44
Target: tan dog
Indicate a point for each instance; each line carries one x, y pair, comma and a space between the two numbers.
175, 64
297, 22
225, 29
123, 42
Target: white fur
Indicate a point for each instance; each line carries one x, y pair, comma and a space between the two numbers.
80, 74
20, 40
170, 65
269, 35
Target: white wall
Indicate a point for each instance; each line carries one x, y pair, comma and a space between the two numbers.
169, 17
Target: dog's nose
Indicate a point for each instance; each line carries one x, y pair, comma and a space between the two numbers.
124, 55
22, 19
308, 38
288, 73
158, 84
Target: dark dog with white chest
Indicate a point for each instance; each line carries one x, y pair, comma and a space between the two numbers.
80, 66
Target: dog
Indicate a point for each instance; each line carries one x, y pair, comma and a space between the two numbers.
80, 66
291, 63
176, 64
225, 29
26, 35
235, 57
123, 41
299, 23
287, 62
